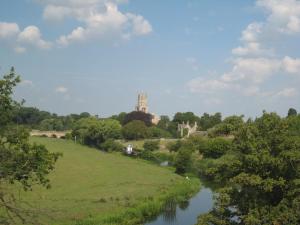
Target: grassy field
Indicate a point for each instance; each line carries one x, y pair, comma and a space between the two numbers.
88, 183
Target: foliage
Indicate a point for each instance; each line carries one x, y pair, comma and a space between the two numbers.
135, 130
20, 162
155, 132
183, 160
229, 126
185, 117
294, 125
164, 122
120, 117
110, 145
261, 176
174, 146
151, 145
138, 115
292, 112
215, 147
92, 131
208, 121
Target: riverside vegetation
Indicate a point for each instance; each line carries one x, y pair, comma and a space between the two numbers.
254, 164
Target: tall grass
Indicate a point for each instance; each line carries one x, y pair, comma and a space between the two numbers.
147, 208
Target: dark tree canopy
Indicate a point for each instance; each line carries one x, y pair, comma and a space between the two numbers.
208, 121
138, 115
292, 112
185, 117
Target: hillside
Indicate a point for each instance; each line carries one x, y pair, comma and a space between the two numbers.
88, 182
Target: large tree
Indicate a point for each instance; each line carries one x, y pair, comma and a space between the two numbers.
20, 161
261, 175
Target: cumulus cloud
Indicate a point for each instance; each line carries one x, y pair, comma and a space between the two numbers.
255, 62
21, 40
283, 15
31, 35
8, 30
255, 70
98, 19
101, 19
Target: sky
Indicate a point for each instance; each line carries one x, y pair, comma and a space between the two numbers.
234, 56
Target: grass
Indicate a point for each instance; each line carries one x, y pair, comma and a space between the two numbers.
88, 184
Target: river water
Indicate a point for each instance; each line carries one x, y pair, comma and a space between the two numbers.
187, 212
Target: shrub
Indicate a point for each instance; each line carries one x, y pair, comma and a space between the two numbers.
174, 146
183, 160
111, 145
216, 147
151, 145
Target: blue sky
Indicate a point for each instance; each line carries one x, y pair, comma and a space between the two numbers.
234, 56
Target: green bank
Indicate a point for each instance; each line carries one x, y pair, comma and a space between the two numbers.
93, 187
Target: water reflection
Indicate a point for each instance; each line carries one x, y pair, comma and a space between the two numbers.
169, 211
187, 212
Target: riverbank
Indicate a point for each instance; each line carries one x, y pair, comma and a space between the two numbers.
89, 186
148, 208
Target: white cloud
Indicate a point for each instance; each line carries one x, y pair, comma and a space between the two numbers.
61, 89
101, 19
291, 65
287, 92
284, 15
8, 30
31, 35
251, 48
256, 70
201, 85
252, 32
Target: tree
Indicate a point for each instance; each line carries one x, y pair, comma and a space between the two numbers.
20, 161
262, 186
183, 160
151, 145
138, 115
155, 132
92, 131
215, 147
163, 122
292, 112
185, 117
135, 130
208, 121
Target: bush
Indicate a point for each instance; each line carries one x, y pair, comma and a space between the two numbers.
111, 145
155, 132
183, 160
148, 155
151, 145
216, 147
174, 146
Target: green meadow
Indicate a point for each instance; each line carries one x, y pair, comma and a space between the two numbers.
88, 183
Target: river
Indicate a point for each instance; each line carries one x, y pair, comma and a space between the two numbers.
187, 212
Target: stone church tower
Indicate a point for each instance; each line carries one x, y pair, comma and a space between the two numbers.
142, 104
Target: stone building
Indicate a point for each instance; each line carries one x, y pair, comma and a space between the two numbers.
142, 106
